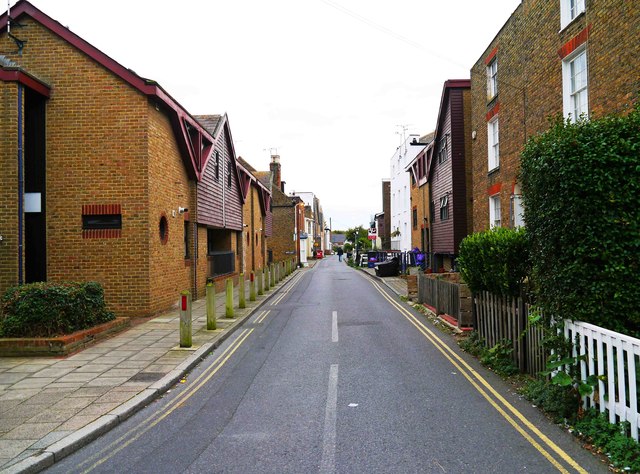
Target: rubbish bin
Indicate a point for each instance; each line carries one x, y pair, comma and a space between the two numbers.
372, 262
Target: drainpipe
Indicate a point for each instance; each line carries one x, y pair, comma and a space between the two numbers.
195, 243
20, 187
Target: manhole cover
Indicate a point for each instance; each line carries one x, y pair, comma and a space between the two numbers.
147, 377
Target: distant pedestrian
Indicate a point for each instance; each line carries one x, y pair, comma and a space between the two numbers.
340, 252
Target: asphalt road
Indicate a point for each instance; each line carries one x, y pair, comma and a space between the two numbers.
336, 375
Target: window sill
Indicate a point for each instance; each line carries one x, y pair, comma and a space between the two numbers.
493, 171
563, 28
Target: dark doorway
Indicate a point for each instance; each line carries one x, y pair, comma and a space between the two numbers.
35, 221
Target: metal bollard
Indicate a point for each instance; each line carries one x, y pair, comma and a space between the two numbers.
229, 299
211, 306
185, 319
242, 297
252, 286
261, 282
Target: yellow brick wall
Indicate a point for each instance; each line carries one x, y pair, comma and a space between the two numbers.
169, 189
9, 187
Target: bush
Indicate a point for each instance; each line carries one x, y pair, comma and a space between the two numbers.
496, 260
561, 403
624, 452
581, 190
52, 309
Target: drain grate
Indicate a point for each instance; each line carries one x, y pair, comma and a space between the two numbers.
147, 377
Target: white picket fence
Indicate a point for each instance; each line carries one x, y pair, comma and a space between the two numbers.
615, 356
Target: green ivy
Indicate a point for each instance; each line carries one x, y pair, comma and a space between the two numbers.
581, 191
496, 260
52, 309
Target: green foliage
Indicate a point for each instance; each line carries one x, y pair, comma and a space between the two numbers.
359, 236
52, 309
496, 260
473, 344
624, 452
561, 402
499, 357
581, 190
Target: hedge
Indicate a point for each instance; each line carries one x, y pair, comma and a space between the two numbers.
581, 191
496, 260
52, 309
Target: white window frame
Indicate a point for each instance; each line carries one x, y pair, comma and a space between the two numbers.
495, 211
570, 10
518, 210
493, 143
444, 208
492, 78
572, 92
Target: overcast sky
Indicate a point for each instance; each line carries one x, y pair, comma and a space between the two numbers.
327, 83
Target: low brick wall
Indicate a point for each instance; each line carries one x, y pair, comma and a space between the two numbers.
61, 345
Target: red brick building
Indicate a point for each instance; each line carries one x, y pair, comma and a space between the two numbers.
121, 184
568, 57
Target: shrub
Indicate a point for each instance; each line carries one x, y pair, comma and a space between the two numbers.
581, 190
560, 402
52, 309
496, 260
623, 451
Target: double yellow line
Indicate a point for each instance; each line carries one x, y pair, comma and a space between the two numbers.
497, 401
132, 435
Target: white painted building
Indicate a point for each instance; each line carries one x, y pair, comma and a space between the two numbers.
400, 219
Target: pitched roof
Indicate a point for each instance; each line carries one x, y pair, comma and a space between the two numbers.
209, 122
11, 71
186, 129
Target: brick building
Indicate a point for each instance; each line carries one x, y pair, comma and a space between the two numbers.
420, 208
115, 172
568, 57
284, 242
257, 219
382, 219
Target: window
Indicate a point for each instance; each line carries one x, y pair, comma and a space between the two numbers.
414, 217
186, 239
217, 166
569, 10
493, 135
163, 228
492, 79
229, 173
494, 211
443, 149
102, 221
575, 87
518, 210
444, 208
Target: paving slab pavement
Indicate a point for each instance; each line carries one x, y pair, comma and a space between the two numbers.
50, 407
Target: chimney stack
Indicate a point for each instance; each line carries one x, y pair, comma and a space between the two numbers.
276, 174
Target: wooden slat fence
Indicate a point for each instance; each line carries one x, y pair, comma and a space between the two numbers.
442, 295
499, 319
616, 357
